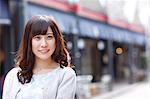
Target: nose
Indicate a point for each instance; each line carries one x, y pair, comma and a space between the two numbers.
43, 43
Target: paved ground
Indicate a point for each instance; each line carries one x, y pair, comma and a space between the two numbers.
142, 91
135, 91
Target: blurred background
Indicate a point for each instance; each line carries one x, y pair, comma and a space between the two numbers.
108, 40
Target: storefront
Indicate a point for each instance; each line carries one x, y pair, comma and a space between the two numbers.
110, 50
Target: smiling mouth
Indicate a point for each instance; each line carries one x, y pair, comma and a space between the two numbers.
44, 51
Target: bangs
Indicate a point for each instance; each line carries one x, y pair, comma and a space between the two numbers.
39, 27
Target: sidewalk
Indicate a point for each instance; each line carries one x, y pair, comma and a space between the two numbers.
117, 89
101, 90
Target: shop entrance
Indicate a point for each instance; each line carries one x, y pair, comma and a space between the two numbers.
90, 59
121, 69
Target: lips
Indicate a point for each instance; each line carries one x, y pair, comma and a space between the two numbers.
44, 51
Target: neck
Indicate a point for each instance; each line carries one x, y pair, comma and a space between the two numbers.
45, 64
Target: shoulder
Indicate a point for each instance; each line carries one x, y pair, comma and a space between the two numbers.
67, 76
68, 71
11, 77
10, 82
13, 72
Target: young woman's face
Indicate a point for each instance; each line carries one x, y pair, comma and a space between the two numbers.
43, 46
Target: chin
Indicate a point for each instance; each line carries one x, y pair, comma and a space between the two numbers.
45, 58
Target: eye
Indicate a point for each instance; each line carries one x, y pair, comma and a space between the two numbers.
49, 37
37, 37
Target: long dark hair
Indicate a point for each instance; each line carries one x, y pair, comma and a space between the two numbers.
25, 58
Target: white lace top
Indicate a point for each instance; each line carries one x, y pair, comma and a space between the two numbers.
57, 84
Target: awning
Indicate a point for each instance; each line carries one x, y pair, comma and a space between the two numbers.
88, 28
65, 21
147, 39
138, 38
100, 30
125, 36
4, 12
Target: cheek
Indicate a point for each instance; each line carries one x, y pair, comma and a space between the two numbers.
53, 46
34, 46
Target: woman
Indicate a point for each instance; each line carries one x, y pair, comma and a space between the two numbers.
41, 70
